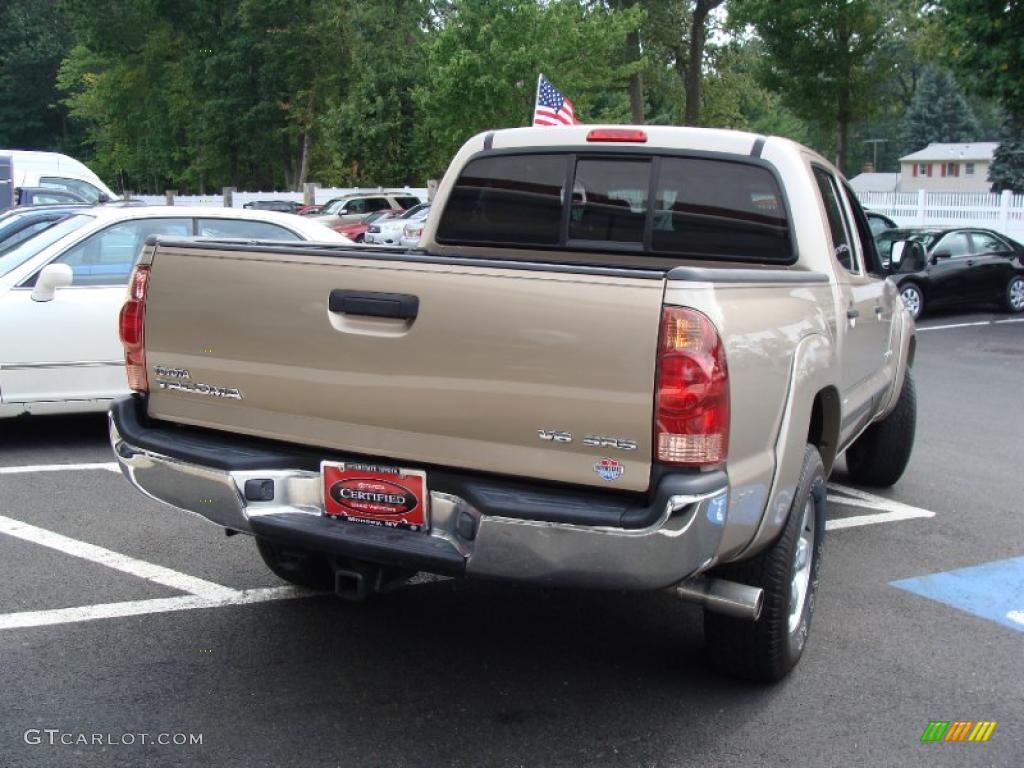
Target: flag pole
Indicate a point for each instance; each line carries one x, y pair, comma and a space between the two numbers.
536, 97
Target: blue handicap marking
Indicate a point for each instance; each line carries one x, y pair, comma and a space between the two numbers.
994, 591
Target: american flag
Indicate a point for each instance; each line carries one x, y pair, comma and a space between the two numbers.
552, 107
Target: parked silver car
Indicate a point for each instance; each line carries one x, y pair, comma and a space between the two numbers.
389, 232
352, 208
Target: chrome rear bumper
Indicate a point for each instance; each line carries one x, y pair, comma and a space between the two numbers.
461, 540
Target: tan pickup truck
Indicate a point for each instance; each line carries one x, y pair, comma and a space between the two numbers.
623, 358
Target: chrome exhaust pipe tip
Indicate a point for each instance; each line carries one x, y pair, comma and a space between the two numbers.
721, 596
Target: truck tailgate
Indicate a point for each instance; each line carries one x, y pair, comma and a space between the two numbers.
494, 373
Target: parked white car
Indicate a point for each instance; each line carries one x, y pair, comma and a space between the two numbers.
389, 231
61, 291
411, 233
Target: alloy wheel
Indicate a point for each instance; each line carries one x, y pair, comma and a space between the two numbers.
1016, 294
800, 582
911, 300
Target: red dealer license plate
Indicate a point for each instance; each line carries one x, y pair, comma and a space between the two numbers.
374, 495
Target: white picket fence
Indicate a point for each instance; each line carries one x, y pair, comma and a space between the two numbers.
1003, 213
239, 199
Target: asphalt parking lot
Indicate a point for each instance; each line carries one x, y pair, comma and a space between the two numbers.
123, 619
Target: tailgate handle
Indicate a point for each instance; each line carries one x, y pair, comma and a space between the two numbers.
399, 305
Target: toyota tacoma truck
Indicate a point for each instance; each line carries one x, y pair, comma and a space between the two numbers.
623, 358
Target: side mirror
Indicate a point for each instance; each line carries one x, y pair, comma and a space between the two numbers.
103, 198
51, 277
905, 256
940, 255
896, 254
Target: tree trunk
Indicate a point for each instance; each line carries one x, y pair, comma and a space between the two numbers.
636, 84
304, 160
233, 165
286, 161
695, 59
842, 129
844, 87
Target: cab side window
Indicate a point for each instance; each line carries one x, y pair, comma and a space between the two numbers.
83, 189
107, 257
986, 243
842, 247
954, 245
376, 204
865, 234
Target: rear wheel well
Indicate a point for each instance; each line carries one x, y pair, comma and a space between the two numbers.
824, 428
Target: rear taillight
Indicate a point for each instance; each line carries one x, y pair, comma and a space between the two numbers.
131, 326
692, 397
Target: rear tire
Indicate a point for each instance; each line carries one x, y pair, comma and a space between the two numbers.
913, 299
766, 650
1015, 294
297, 566
881, 454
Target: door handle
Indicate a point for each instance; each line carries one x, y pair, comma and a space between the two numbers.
852, 313
970, 262
402, 306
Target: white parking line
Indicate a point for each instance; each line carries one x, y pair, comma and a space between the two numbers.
154, 573
110, 466
969, 325
206, 594
24, 619
888, 511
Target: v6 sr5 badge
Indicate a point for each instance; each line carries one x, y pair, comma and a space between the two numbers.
594, 441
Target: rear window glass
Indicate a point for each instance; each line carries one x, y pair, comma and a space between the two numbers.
609, 200
719, 209
512, 199
701, 208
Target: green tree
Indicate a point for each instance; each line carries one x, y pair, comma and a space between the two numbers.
675, 40
938, 113
823, 56
734, 97
371, 128
121, 88
986, 38
33, 41
1007, 169
986, 41
202, 93
483, 58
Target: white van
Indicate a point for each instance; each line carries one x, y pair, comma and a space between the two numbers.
52, 169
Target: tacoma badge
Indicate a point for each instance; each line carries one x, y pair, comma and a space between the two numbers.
208, 390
